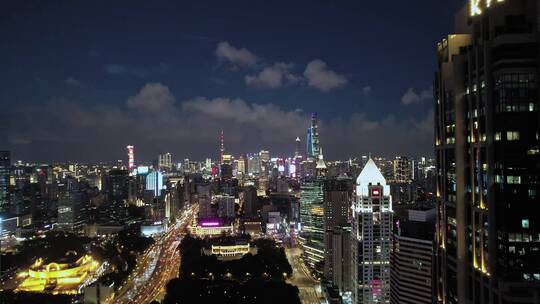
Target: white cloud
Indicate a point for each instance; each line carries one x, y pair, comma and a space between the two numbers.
411, 97
190, 129
236, 56
272, 77
385, 136
319, 76
153, 97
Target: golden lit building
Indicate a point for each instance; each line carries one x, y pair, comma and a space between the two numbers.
64, 277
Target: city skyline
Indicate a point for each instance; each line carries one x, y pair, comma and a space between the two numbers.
181, 75
336, 152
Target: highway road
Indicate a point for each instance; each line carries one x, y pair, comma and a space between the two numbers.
156, 266
309, 287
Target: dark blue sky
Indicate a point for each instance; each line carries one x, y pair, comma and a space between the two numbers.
81, 79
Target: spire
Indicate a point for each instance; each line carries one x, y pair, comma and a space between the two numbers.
321, 165
297, 151
370, 174
221, 147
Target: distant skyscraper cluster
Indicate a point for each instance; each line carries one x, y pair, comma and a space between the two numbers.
461, 228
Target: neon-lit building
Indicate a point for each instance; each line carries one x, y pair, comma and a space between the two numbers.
165, 161
154, 183
312, 141
65, 277
131, 158
211, 229
370, 241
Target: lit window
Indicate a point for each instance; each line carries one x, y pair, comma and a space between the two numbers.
512, 135
497, 136
525, 223
513, 179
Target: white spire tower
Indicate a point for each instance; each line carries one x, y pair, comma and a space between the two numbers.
372, 227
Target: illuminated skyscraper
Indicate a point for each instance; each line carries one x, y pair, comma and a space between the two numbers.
312, 142
165, 161
312, 223
5, 165
254, 164
225, 206
154, 183
487, 155
119, 189
241, 166
402, 170
370, 242
131, 158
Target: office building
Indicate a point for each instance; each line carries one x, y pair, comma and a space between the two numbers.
370, 241
412, 260
241, 166
225, 171
225, 204
5, 167
154, 183
487, 155
165, 161
204, 194
251, 203
311, 236
297, 152
402, 170
120, 192
340, 260
254, 164
336, 204
73, 206
131, 158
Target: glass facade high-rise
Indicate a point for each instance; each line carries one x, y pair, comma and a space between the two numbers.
312, 140
154, 183
487, 155
312, 223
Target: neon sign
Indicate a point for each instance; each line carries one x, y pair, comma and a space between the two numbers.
131, 158
477, 6
210, 224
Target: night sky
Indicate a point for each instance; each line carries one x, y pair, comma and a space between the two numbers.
82, 79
